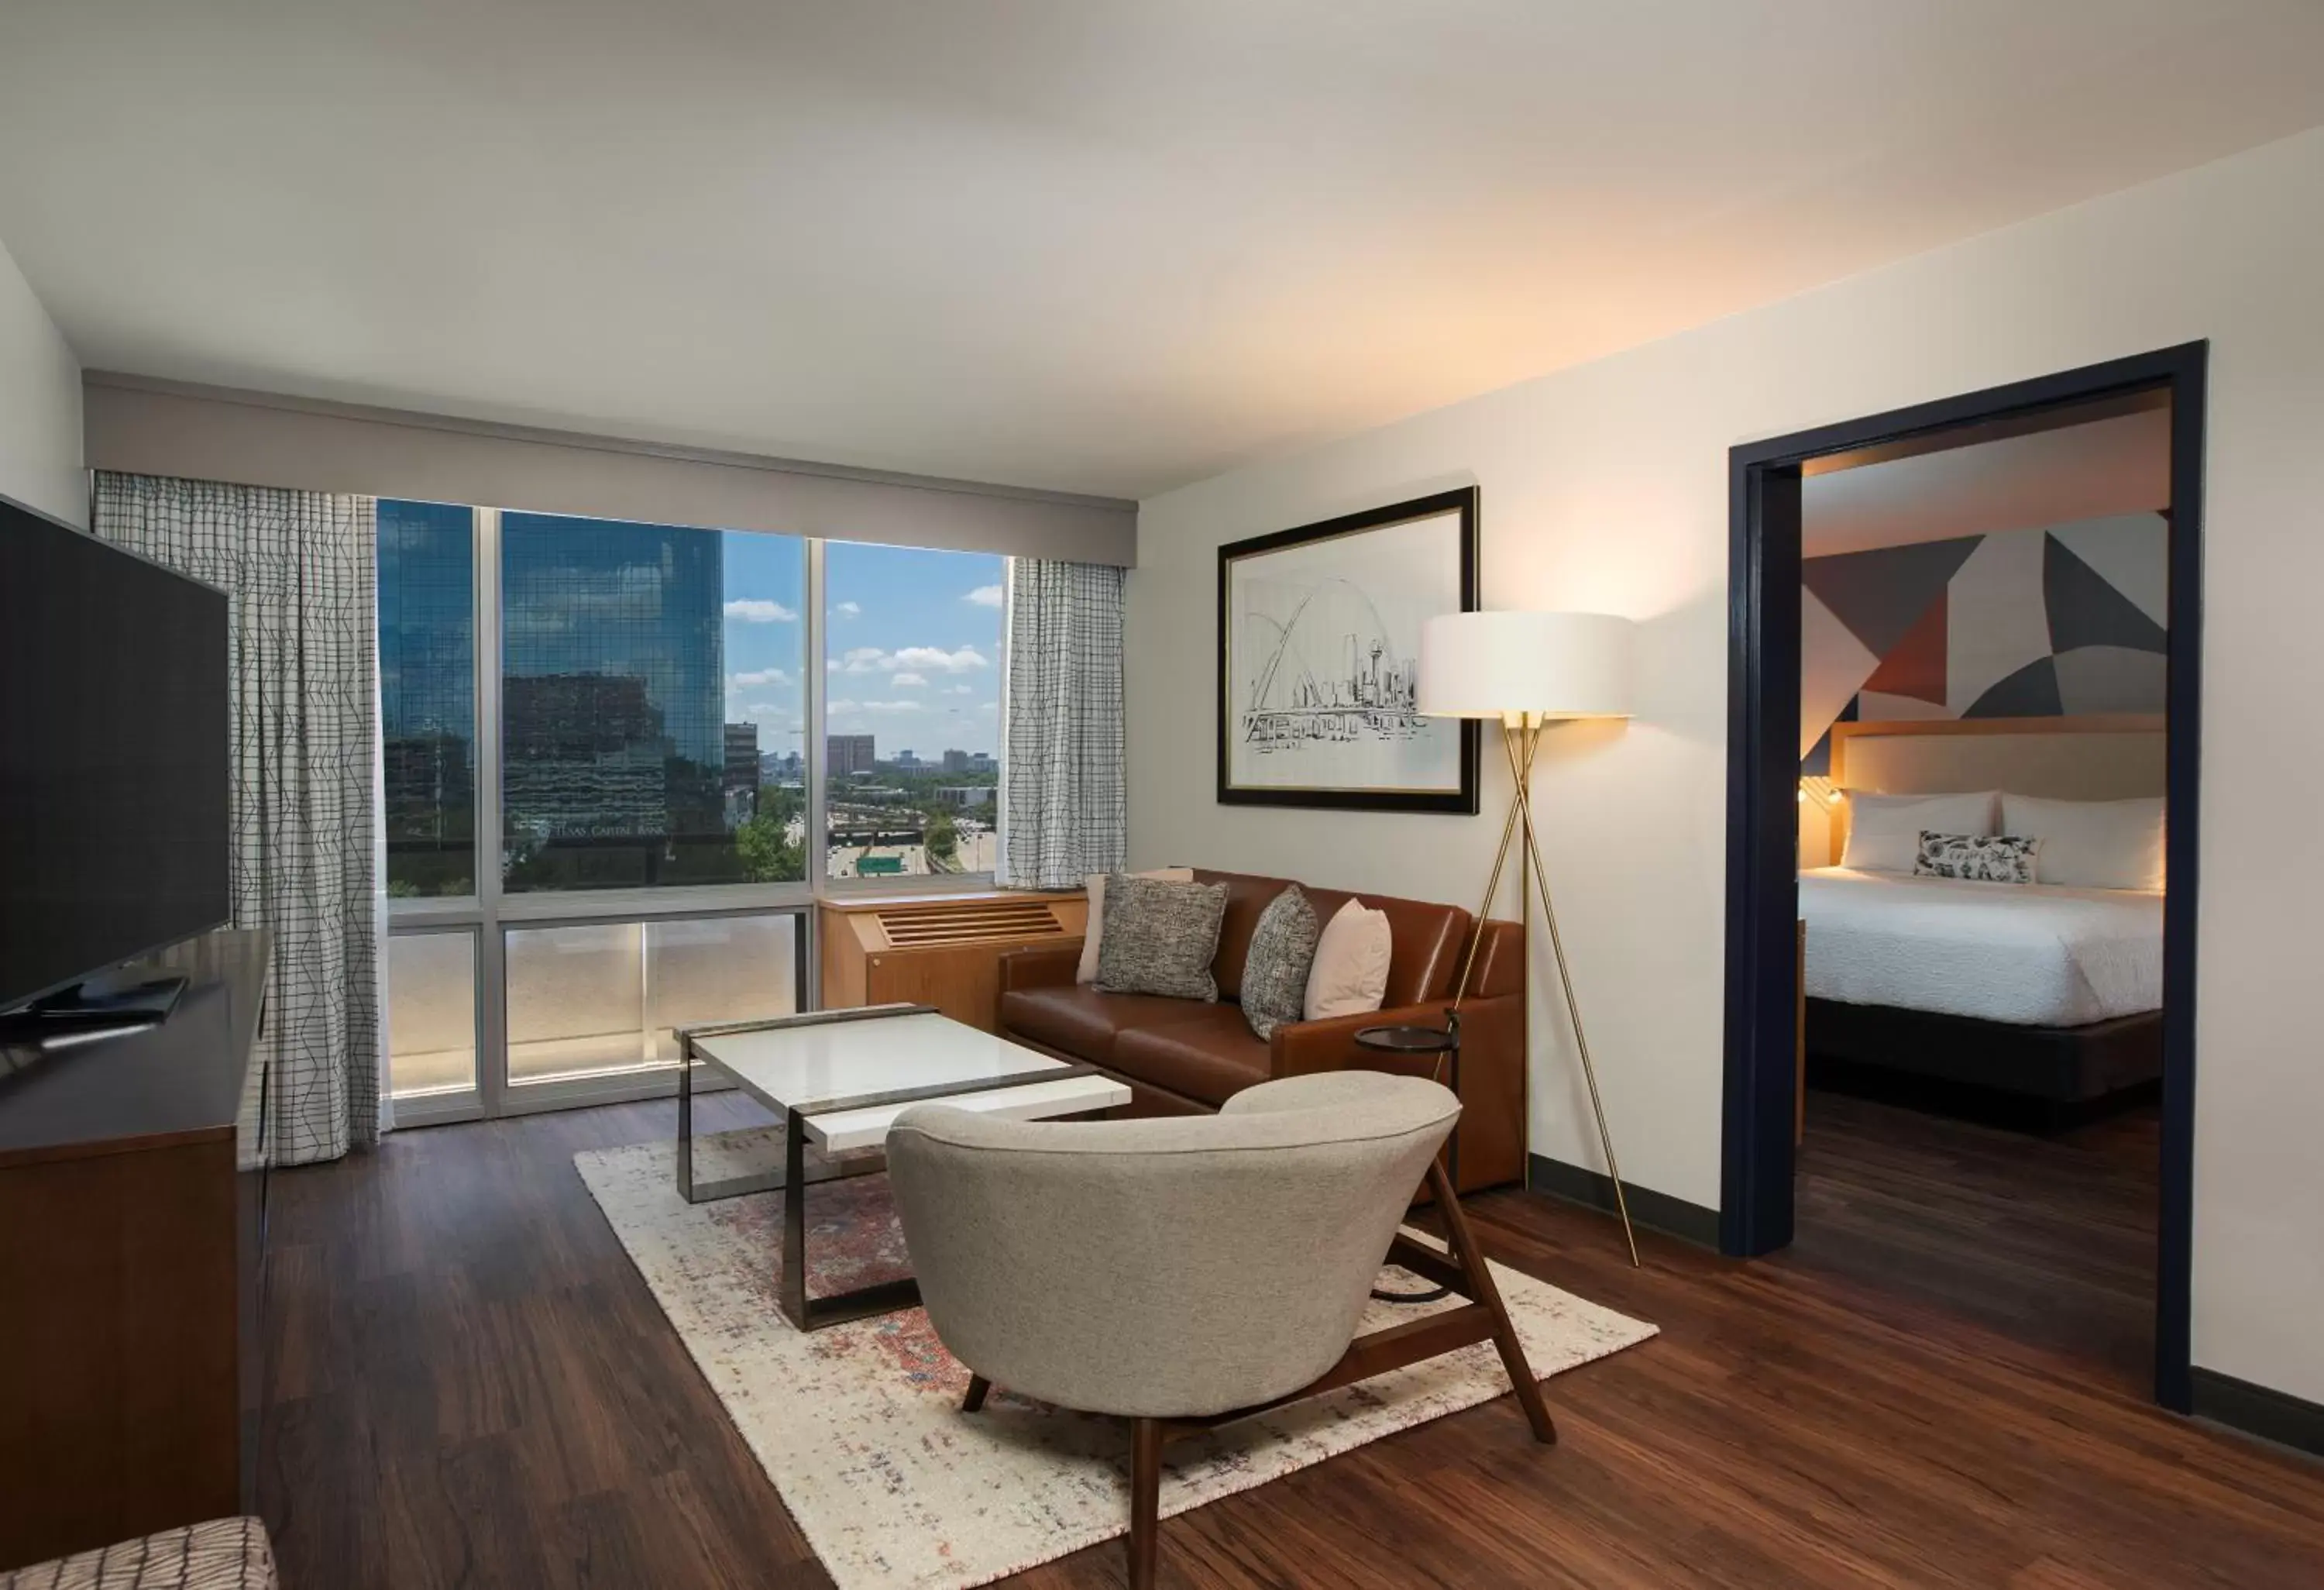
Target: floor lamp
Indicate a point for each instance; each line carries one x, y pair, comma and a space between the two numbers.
1523, 671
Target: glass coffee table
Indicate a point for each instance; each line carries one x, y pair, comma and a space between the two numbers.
838, 1079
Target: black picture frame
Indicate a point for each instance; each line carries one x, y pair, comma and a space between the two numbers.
1463, 802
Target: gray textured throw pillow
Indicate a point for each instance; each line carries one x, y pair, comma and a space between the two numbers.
1159, 937
1275, 971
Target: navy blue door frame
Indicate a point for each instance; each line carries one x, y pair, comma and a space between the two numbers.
1762, 822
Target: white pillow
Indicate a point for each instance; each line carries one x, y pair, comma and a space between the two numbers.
1087, 971
2091, 844
1884, 831
1350, 974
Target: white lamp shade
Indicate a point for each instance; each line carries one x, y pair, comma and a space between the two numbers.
1553, 664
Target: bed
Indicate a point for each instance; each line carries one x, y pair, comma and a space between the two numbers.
2038, 990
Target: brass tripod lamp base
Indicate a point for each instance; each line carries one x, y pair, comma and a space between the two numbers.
1523, 670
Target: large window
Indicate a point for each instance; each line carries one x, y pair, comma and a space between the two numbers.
912, 710
624, 762
602, 806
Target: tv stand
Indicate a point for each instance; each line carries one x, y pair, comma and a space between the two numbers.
97, 1005
132, 1201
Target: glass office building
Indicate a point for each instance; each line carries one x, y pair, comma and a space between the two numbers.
613, 698
428, 702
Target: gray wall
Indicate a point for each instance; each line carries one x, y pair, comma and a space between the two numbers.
39, 405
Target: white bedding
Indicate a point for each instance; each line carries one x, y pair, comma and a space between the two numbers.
2030, 954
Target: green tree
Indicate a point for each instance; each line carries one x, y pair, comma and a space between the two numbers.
764, 842
942, 839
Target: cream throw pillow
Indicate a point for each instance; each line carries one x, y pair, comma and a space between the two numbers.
1087, 971
1350, 976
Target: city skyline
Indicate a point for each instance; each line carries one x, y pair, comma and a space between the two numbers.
646, 671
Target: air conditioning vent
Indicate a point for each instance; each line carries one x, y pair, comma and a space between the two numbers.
971, 921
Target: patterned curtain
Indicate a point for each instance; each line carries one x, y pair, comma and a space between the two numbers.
1064, 813
299, 570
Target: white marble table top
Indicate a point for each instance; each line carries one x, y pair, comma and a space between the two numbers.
781, 1065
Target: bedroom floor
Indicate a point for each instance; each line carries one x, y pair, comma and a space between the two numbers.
2047, 1239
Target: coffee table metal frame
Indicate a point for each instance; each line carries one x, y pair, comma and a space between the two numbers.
804, 1165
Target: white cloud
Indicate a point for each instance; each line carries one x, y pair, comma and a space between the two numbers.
757, 676
985, 596
958, 662
961, 691
988, 707
758, 610
848, 609
837, 708
905, 682
922, 659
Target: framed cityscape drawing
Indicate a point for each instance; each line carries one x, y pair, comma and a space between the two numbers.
1319, 657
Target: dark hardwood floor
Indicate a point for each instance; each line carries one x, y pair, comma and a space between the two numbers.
2047, 1237
470, 1386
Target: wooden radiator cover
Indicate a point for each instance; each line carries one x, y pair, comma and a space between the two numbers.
944, 952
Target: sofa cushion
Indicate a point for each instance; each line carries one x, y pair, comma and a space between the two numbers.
1348, 974
1086, 972
1275, 972
1076, 1019
1247, 897
1205, 1052
1425, 942
1160, 937
1424, 959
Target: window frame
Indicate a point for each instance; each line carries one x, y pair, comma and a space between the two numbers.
491, 912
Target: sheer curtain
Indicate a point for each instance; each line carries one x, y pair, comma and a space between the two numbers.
1063, 810
299, 570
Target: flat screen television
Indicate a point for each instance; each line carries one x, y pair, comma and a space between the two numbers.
114, 776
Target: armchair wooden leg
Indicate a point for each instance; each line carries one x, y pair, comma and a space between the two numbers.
977, 1388
1482, 1290
1145, 1499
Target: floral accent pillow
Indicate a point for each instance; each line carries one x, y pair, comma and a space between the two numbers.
1978, 858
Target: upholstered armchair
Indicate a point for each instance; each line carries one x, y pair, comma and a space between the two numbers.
1184, 1271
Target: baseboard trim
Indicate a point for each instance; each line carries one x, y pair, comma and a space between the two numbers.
1657, 1211
2259, 1410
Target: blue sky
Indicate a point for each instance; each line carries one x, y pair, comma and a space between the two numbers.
913, 644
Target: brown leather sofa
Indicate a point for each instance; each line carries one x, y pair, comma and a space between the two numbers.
1182, 1057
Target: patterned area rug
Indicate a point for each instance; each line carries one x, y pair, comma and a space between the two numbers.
859, 1427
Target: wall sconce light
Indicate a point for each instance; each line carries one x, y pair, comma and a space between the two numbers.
1826, 793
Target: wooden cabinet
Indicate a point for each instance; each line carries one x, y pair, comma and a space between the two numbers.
942, 950
131, 1216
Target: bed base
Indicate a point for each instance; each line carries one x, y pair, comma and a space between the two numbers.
2061, 1064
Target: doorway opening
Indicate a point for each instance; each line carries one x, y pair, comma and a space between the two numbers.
1960, 951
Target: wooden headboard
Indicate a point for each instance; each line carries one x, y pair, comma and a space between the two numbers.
2095, 758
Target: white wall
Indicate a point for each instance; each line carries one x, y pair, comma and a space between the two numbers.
1605, 486
39, 405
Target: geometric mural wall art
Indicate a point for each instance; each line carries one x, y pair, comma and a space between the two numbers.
2058, 622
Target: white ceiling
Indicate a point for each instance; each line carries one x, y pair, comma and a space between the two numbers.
1088, 245
2090, 471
